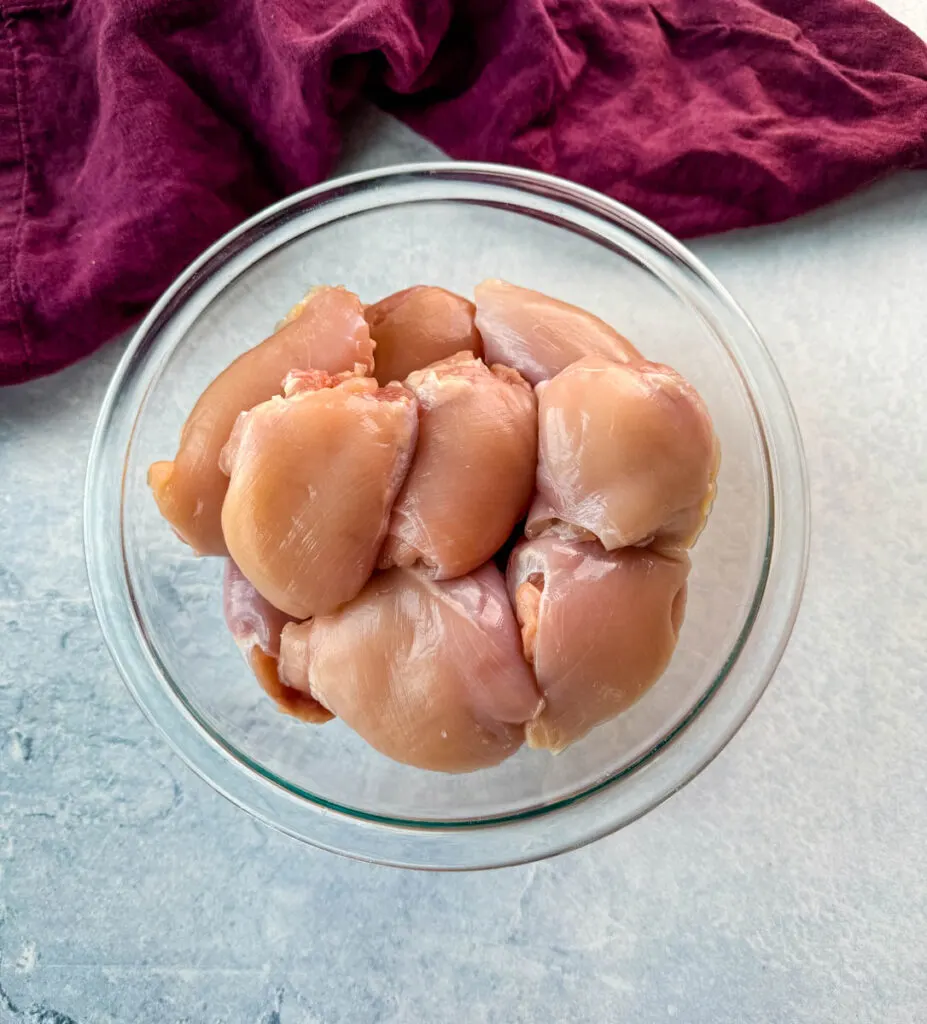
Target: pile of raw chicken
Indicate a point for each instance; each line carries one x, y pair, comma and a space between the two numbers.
458, 527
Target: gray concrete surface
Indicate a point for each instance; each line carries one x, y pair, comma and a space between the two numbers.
788, 883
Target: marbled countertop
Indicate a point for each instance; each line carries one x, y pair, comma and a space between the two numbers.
788, 883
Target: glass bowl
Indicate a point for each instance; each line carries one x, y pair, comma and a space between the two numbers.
453, 225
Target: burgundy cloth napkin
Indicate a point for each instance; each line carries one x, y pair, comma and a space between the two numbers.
133, 133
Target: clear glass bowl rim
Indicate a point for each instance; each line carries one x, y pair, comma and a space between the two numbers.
494, 842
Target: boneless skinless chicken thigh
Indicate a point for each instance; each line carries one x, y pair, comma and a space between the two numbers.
540, 336
363, 500
428, 672
313, 476
599, 628
328, 333
473, 473
420, 326
626, 454
256, 626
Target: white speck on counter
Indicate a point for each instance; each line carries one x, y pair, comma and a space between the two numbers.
25, 962
20, 746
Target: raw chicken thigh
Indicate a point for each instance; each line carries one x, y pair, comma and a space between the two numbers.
626, 452
474, 467
256, 626
429, 673
313, 476
599, 628
540, 336
329, 333
419, 326
366, 520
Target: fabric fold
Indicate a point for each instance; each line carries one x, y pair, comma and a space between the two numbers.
14, 356
133, 133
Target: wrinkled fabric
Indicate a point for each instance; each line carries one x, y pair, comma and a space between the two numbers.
133, 133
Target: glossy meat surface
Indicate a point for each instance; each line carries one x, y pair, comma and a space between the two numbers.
599, 628
625, 452
256, 627
420, 326
474, 467
329, 333
313, 476
429, 673
539, 336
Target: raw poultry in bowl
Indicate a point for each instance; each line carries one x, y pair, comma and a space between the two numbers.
365, 470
